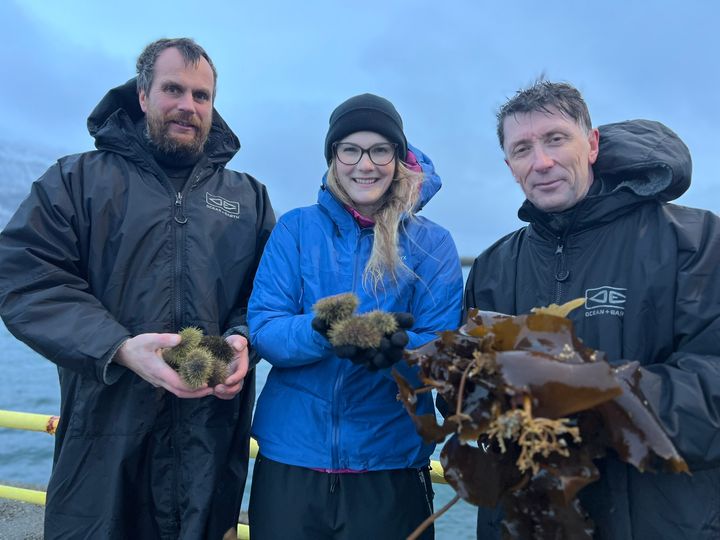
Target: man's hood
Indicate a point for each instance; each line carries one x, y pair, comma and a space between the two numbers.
645, 157
112, 122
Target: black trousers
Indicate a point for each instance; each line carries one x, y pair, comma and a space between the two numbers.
288, 502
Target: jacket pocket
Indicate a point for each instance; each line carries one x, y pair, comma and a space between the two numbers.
129, 406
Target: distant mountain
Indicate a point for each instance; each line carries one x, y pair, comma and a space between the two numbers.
20, 165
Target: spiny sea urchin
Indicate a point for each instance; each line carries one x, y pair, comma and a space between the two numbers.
335, 308
200, 359
361, 331
190, 337
196, 368
218, 347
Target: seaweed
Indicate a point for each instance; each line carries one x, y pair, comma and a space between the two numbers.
531, 407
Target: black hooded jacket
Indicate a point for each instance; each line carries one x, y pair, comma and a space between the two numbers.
104, 249
650, 275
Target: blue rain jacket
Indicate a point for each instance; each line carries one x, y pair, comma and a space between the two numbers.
320, 411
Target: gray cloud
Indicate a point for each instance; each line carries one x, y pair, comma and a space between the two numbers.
52, 84
285, 66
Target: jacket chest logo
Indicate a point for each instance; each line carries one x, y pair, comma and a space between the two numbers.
220, 204
605, 300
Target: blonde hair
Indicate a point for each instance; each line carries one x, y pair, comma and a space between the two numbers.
397, 204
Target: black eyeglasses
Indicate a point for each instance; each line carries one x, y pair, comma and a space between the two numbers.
351, 154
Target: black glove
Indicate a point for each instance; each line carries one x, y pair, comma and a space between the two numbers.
404, 320
388, 353
393, 345
320, 326
371, 357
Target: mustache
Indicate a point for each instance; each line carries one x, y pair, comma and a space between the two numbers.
185, 119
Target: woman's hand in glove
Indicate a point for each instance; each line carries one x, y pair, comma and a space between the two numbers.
389, 351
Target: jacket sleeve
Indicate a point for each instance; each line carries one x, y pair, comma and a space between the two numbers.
237, 321
45, 298
437, 298
279, 330
684, 389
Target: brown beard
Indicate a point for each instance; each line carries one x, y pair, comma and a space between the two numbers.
157, 132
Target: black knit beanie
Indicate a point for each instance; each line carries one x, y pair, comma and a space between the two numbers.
366, 112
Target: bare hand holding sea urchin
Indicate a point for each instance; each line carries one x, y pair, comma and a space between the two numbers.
199, 359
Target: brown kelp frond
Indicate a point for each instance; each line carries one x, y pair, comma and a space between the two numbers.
531, 408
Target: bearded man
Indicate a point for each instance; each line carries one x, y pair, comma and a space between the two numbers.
113, 252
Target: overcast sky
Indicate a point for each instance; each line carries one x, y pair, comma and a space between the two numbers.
447, 66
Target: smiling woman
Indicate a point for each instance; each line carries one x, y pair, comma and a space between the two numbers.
330, 430
362, 178
362, 147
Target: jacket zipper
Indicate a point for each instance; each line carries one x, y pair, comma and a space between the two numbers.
179, 210
336, 418
177, 469
562, 273
341, 376
181, 220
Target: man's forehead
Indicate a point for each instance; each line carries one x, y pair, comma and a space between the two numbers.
172, 65
519, 123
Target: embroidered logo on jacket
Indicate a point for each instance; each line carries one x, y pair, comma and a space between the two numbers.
605, 301
220, 204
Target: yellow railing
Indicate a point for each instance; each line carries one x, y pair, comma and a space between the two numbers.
48, 424
29, 421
